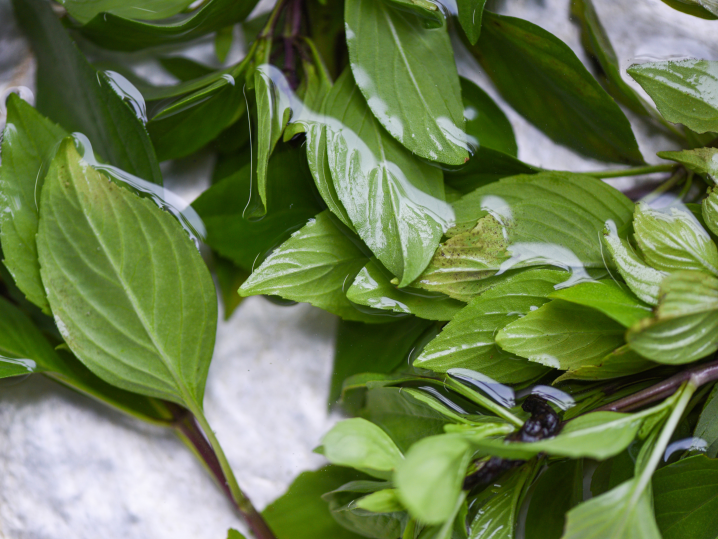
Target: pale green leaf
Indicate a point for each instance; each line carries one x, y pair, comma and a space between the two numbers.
128, 289
372, 287
621, 362
470, 14
562, 335
685, 327
703, 161
429, 480
362, 445
395, 201
674, 240
685, 91
468, 340
381, 501
313, 266
710, 210
28, 143
609, 297
408, 75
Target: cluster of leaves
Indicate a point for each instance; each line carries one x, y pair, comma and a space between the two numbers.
358, 172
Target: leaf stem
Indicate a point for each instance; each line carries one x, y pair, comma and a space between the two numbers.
635, 171
268, 30
700, 375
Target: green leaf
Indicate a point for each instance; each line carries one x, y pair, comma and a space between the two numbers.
486, 124
291, 203
28, 143
143, 314
71, 93
710, 210
382, 501
557, 490
499, 505
684, 91
148, 10
116, 32
426, 10
622, 361
485, 166
707, 427
468, 340
372, 348
642, 279
470, 14
229, 279
408, 76
674, 241
685, 496
223, 42
429, 480
608, 297
372, 287
703, 161
361, 445
541, 77
313, 266
395, 202
300, 513
703, 9
550, 218
685, 327
185, 69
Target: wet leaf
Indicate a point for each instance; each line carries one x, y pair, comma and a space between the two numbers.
426, 10
542, 79
116, 32
557, 490
608, 297
485, 166
622, 361
313, 266
674, 240
685, 496
550, 218
470, 14
143, 317
468, 340
486, 124
685, 91
707, 427
372, 287
148, 10
685, 327
562, 335
361, 445
300, 513
73, 94
703, 9
710, 210
408, 76
28, 144
395, 202
703, 161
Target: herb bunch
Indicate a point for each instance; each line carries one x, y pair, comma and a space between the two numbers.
524, 351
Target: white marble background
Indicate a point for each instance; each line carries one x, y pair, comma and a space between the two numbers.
74, 469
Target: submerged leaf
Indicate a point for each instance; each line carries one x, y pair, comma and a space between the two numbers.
143, 316
408, 76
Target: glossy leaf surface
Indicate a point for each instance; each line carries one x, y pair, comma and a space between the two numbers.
562, 335
148, 10
623, 361
685, 91
408, 76
144, 315
608, 297
486, 124
710, 210
28, 144
703, 161
73, 94
395, 202
470, 15
312, 266
468, 340
542, 79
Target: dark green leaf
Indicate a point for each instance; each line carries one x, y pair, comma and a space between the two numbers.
300, 513
562, 335
707, 427
684, 91
542, 79
485, 166
703, 9
486, 124
71, 93
29, 142
395, 202
223, 42
556, 491
148, 10
372, 348
609, 297
426, 10
229, 279
143, 316
408, 75
703, 161
119, 33
343, 505
373, 287
185, 69
234, 534
313, 266
468, 340
470, 14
